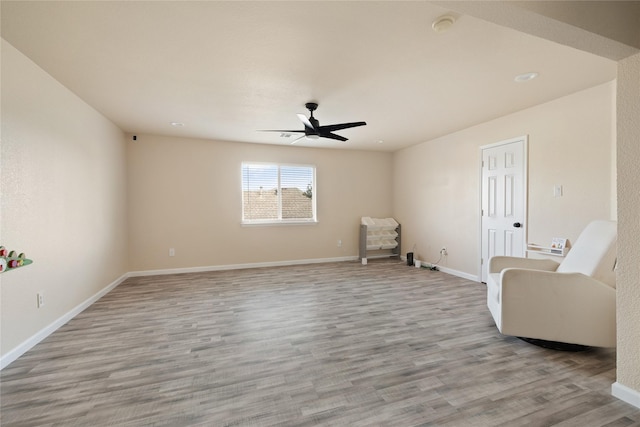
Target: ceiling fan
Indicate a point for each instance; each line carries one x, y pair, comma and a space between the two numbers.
313, 130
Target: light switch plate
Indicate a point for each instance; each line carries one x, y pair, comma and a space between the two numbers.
557, 191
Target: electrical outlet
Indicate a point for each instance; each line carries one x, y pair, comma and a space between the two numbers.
443, 251
172, 252
339, 243
40, 299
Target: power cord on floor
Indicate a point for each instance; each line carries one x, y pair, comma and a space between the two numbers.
433, 266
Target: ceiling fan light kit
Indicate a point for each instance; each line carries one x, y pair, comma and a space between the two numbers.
525, 77
313, 130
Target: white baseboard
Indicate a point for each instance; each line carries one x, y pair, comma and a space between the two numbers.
459, 273
48, 330
237, 266
452, 271
626, 394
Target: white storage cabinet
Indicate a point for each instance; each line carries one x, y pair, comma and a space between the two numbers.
379, 238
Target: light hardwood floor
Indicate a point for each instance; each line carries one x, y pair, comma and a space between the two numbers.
337, 344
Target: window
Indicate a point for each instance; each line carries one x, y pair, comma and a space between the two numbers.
273, 193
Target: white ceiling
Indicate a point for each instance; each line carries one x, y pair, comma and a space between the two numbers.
230, 69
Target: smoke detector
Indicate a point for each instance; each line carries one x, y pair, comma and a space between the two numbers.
443, 23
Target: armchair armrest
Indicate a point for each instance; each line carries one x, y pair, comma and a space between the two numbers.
499, 263
566, 307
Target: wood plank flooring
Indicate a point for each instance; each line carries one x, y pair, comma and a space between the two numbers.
337, 344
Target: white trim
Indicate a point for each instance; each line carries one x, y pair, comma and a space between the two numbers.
237, 266
626, 394
451, 271
277, 222
459, 273
48, 330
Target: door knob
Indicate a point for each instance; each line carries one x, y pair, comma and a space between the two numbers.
517, 225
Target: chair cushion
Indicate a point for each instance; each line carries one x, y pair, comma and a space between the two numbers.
594, 253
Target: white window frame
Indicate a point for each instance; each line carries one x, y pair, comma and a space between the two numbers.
280, 221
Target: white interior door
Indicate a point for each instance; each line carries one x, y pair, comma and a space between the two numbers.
504, 195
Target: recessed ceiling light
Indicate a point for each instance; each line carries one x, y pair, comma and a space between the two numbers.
380, 141
525, 77
443, 23
177, 124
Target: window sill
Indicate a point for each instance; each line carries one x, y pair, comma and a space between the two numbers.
276, 223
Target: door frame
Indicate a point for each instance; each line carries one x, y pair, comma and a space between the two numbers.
525, 196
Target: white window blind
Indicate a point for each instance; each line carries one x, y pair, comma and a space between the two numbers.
273, 193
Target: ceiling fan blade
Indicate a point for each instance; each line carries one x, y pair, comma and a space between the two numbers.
306, 121
340, 126
282, 130
332, 136
298, 139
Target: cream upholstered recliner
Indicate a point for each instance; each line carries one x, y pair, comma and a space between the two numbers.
572, 302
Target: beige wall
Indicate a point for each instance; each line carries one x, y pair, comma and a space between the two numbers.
436, 191
186, 194
628, 277
63, 199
